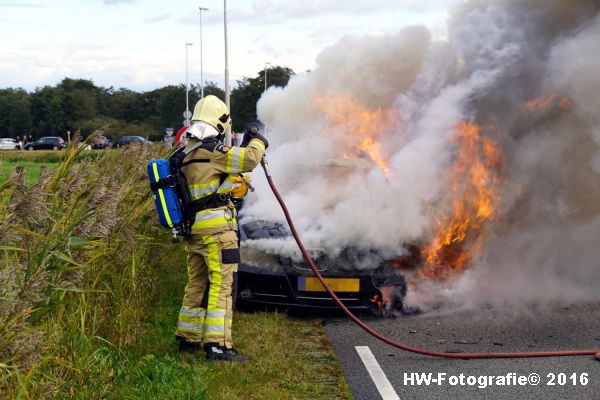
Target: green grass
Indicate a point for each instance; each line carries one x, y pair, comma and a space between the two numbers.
32, 161
33, 156
33, 169
290, 358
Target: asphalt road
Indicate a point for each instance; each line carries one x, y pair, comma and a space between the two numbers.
575, 327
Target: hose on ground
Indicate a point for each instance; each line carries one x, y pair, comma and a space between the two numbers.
401, 346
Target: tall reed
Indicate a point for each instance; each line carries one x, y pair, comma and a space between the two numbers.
78, 259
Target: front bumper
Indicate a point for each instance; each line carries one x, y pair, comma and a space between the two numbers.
280, 287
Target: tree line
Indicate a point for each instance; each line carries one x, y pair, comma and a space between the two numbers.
80, 105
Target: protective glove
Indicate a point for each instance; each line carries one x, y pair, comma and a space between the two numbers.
253, 132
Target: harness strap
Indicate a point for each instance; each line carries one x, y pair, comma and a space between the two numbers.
215, 200
168, 181
197, 160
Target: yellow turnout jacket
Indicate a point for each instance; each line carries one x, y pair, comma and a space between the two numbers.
211, 171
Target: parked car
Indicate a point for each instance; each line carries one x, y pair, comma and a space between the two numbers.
101, 142
46, 143
125, 140
9, 144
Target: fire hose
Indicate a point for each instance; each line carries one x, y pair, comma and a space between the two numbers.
387, 340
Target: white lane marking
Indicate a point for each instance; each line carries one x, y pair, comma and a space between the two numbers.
383, 385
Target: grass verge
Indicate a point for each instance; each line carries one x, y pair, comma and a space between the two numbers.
33, 168
90, 288
290, 358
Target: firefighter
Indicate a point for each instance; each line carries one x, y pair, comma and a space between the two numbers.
212, 171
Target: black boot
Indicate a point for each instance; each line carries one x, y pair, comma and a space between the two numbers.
187, 347
216, 352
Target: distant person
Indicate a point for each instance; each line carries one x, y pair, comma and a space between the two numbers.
29, 139
179, 137
237, 138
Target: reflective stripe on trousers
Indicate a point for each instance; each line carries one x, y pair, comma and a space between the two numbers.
206, 314
217, 325
191, 320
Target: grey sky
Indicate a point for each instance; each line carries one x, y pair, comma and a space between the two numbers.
140, 44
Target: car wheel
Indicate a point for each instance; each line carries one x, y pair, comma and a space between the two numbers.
30, 148
55, 148
392, 288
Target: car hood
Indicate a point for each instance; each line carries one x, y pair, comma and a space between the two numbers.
271, 243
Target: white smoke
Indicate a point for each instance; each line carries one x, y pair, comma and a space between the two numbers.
498, 55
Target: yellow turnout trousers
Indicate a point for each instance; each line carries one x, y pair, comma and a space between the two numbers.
206, 313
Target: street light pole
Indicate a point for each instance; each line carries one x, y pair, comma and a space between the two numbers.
227, 102
266, 66
201, 59
187, 87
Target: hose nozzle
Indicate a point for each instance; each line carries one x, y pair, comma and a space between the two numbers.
265, 164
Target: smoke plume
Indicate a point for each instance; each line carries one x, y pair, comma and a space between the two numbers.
526, 72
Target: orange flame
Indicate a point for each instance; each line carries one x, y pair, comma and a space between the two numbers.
474, 181
546, 102
357, 128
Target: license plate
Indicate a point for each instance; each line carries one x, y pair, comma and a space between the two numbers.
348, 285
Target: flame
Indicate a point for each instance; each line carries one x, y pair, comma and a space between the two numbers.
474, 180
357, 128
547, 102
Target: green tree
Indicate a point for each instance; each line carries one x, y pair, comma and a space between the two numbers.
248, 91
58, 119
210, 88
79, 104
79, 101
40, 110
171, 106
126, 105
15, 112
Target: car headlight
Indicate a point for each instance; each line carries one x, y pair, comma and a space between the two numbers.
258, 258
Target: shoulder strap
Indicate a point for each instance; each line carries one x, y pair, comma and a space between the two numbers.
193, 148
210, 146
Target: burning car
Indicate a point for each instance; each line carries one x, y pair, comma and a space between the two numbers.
270, 278
272, 271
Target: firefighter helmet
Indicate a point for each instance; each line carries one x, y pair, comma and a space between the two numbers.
213, 112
